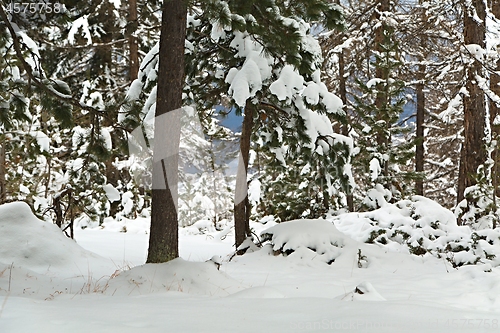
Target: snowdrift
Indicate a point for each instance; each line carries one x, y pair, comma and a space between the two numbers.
178, 275
40, 247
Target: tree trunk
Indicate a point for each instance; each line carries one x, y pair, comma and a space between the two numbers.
112, 177
419, 149
420, 138
132, 40
215, 193
473, 150
163, 238
103, 54
3, 173
345, 127
495, 113
241, 204
381, 73
381, 100
495, 108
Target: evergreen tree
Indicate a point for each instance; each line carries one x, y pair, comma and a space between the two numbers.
251, 77
477, 178
234, 44
435, 66
371, 60
83, 44
163, 237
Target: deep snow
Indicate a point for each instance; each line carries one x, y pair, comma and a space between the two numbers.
50, 284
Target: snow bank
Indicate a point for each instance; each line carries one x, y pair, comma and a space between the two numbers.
178, 275
41, 247
258, 292
363, 292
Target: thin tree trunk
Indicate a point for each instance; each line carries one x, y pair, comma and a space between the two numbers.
461, 178
49, 175
103, 57
242, 205
214, 176
495, 113
345, 127
163, 238
132, 40
473, 150
112, 177
420, 138
382, 73
419, 152
3, 173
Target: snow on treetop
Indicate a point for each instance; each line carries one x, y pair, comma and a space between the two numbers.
80, 23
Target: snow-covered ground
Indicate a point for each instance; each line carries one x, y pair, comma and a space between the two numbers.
50, 284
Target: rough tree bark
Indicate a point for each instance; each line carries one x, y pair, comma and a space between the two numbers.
420, 138
495, 77
132, 40
163, 238
241, 205
419, 149
495, 112
473, 150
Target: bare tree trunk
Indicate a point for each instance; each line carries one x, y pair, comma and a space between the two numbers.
132, 40
242, 205
164, 234
214, 176
420, 138
112, 177
3, 173
473, 150
419, 152
345, 127
495, 113
382, 73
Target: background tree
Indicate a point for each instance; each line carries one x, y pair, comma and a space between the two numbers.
371, 60
473, 150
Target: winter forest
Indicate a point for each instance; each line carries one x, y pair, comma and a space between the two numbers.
219, 166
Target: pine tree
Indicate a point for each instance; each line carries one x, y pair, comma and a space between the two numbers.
218, 35
371, 59
88, 97
163, 238
494, 107
436, 69
281, 40
478, 172
473, 151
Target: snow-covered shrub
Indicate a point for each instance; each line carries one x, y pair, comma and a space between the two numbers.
377, 197
306, 239
421, 226
479, 209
